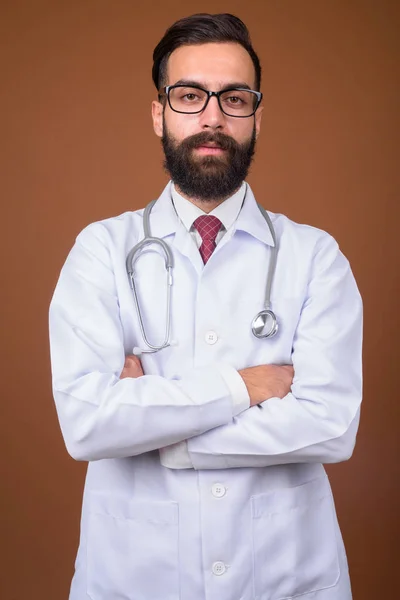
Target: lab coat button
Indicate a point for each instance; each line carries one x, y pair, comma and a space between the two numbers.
218, 568
211, 337
218, 490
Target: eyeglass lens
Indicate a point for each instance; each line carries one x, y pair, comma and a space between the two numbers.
235, 103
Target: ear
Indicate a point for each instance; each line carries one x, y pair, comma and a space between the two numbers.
257, 118
157, 110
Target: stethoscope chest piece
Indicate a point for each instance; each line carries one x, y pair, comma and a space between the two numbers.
264, 324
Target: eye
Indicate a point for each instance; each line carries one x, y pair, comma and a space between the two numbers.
234, 100
190, 97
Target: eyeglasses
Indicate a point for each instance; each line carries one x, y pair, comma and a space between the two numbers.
234, 102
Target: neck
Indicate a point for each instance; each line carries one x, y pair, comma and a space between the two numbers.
205, 205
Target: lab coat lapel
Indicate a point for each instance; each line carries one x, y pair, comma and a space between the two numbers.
186, 245
163, 218
164, 223
251, 220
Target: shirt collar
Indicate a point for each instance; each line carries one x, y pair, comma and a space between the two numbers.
164, 222
227, 212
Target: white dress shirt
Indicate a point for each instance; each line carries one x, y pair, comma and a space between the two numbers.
176, 456
227, 212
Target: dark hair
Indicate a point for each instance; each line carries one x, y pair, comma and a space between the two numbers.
201, 28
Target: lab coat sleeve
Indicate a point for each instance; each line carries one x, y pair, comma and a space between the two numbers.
177, 455
102, 416
318, 420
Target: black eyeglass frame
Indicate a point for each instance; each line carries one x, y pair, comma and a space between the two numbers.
167, 89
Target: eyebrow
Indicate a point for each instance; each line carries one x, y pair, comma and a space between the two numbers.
233, 84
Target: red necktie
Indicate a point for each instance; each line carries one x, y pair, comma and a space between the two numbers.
208, 227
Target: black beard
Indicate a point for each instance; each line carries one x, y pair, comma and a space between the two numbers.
209, 177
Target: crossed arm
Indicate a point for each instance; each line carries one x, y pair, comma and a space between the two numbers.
309, 415
246, 442
262, 382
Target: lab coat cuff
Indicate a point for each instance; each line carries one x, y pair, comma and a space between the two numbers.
176, 456
236, 386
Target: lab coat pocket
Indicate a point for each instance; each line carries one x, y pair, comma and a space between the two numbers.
294, 541
132, 549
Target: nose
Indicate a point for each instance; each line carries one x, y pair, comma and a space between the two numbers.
212, 116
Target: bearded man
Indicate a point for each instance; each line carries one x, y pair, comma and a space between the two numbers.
205, 418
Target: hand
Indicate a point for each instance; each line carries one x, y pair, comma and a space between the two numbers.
267, 381
132, 368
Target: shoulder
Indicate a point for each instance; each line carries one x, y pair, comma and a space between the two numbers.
308, 249
113, 231
300, 237
288, 228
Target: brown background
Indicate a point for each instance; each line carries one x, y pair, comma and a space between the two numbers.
77, 146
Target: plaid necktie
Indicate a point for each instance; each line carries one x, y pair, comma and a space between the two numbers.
208, 227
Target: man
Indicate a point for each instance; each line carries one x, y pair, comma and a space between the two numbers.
205, 476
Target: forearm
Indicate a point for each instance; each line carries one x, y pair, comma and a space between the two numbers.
318, 420
283, 432
176, 456
104, 417
101, 415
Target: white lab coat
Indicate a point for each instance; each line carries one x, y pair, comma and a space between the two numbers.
255, 518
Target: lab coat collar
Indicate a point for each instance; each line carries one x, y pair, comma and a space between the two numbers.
164, 220
251, 220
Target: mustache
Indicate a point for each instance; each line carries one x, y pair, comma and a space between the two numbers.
219, 139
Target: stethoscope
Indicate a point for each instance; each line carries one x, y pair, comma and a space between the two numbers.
264, 325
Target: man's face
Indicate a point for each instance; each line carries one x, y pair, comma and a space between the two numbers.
208, 154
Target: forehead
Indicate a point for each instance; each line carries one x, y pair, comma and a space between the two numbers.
211, 64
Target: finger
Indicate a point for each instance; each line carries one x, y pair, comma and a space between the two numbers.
132, 368
131, 372
132, 358
130, 362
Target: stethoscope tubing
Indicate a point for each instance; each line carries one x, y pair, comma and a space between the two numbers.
259, 321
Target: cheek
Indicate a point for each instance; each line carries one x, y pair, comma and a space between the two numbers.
240, 129
181, 126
